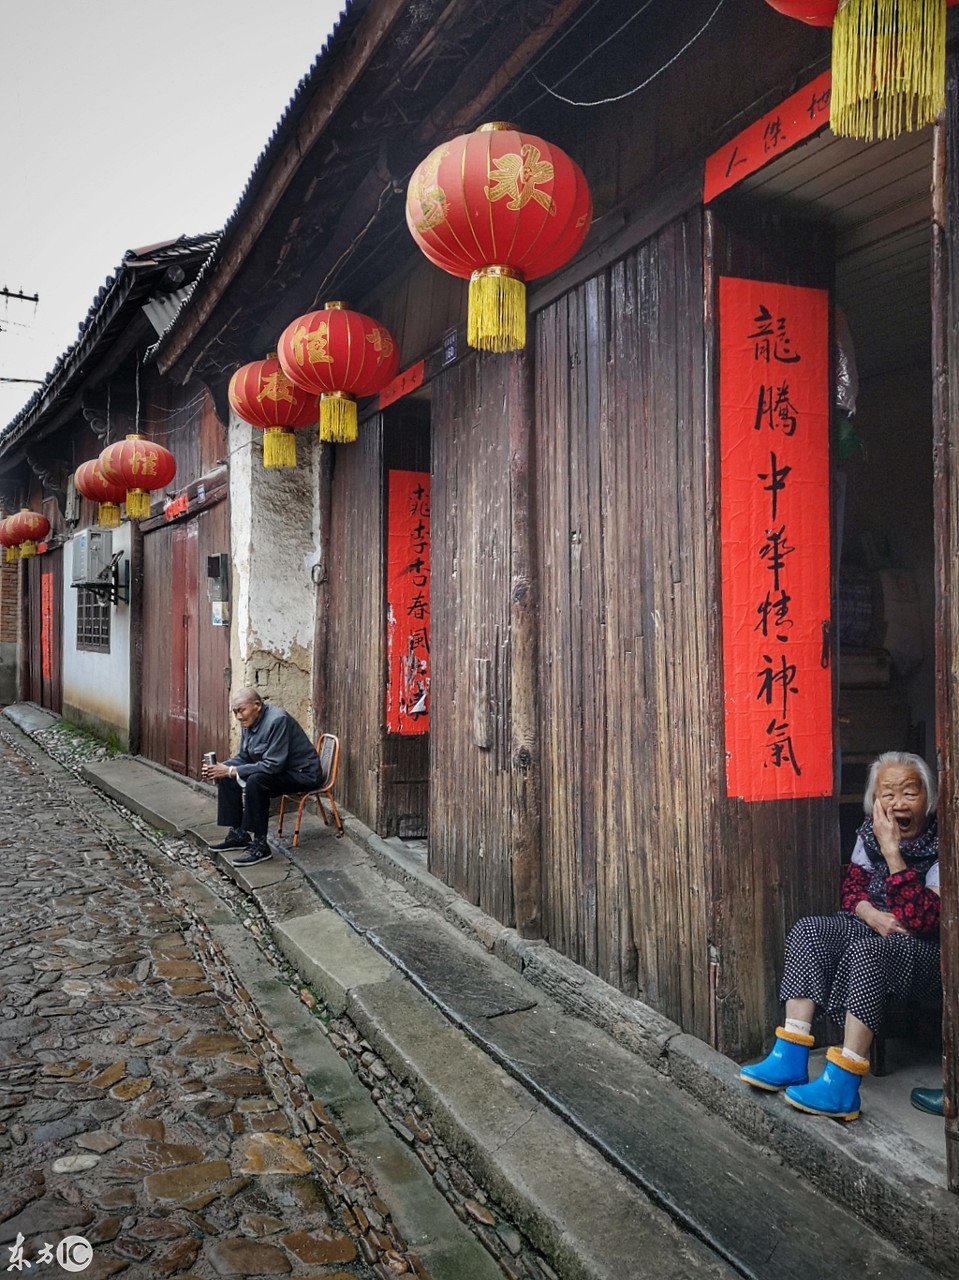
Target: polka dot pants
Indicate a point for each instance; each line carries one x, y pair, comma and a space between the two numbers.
846, 967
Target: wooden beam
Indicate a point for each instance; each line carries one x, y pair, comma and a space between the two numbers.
454, 115
945, 357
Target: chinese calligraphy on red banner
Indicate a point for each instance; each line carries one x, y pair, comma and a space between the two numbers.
774, 406
408, 602
46, 625
799, 117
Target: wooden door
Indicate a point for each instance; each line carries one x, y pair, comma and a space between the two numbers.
403, 805
186, 663
183, 629
44, 683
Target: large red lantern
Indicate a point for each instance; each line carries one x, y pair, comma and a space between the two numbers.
888, 62
262, 395
139, 465
90, 481
7, 539
338, 355
498, 207
817, 13
27, 528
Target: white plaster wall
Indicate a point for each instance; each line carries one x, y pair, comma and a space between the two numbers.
96, 686
275, 547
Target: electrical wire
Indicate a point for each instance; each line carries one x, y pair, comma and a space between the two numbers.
550, 49
600, 102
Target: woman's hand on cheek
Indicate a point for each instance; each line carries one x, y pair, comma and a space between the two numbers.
886, 830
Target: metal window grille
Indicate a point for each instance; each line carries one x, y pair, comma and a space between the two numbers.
93, 621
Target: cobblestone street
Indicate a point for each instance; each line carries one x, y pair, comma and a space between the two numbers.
145, 1107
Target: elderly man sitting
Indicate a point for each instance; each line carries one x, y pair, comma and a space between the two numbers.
275, 758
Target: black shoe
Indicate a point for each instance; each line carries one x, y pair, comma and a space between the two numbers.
233, 840
259, 851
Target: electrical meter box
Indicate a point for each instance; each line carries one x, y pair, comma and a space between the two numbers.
92, 555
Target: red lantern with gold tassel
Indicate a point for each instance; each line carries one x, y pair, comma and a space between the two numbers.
8, 539
888, 62
498, 207
262, 395
817, 13
90, 481
339, 355
27, 529
140, 466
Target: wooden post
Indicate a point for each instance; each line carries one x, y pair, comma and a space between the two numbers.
945, 367
321, 619
526, 849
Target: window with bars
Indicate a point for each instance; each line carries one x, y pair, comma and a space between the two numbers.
93, 621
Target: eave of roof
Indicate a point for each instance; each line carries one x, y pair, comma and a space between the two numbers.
135, 279
337, 41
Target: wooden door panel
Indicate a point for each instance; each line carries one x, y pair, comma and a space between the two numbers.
185, 699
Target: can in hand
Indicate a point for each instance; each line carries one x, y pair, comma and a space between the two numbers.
209, 757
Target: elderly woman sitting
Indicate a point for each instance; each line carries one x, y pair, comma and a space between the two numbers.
884, 942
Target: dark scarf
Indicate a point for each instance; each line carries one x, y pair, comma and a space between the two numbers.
919, 854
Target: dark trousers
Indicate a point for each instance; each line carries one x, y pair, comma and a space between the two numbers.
248, 808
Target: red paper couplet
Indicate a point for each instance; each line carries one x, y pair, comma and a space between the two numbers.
800, 116
46, 625
775, 533
408, 603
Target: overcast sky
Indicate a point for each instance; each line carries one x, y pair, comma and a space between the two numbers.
125, 122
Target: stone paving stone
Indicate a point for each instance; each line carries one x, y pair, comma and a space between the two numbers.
261, 1153
238, 1257
133, 1109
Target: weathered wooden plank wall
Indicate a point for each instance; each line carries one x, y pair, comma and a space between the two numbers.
419, 304
628, 758
355, 675
469, 721
183, 420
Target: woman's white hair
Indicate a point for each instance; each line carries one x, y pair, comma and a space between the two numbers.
907, 760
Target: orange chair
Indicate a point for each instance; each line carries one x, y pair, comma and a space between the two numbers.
328, 749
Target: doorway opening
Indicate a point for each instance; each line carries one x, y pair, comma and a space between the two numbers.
407, 582
876, 200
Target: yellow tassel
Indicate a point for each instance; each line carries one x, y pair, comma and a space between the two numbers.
888, 67
27, 549
338, 422
496, 316
12, 555
138, 504
279, 447
108, 515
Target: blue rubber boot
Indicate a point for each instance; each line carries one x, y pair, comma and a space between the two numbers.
836, 1093
786, 1063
